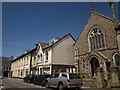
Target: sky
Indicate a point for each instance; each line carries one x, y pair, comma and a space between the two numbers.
24, 23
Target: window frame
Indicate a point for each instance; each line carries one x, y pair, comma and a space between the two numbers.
96, 39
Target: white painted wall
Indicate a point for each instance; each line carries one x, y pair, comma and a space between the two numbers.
39, 53
49, 55
60, 53
63, 52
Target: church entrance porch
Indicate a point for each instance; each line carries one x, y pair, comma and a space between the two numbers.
94, 65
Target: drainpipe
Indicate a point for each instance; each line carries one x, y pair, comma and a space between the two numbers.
30, 63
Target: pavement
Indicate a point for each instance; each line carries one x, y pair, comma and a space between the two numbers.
18, 84
1, 86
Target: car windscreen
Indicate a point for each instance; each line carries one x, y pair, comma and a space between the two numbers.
74, 76
41, 76
46, 76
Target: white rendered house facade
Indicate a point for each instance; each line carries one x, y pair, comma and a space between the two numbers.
57, 56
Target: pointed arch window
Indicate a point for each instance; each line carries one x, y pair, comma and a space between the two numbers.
38, 59
41, 57
116, 57
96, 39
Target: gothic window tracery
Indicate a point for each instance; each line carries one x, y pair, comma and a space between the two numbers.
96, 39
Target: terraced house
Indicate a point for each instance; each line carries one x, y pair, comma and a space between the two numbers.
56, 56
21, 65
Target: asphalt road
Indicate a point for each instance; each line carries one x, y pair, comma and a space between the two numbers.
18, 84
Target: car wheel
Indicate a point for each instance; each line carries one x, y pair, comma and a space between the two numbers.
34, 83
47, 85
28, 81
78, 88
42, 84
61, 87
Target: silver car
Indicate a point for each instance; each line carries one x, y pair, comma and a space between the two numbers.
64, 80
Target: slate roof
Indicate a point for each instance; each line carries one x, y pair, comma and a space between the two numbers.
34, 49
60, 40
43, 45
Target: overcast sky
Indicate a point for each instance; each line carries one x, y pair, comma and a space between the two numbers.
26, 23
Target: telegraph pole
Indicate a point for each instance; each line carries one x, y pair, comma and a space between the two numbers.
113, 10
92, 8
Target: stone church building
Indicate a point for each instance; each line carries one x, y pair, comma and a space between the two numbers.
97, 51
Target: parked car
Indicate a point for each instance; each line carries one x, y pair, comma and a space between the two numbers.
64, 80
40, 79
29, 78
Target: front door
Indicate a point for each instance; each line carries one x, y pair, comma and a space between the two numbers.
94, 65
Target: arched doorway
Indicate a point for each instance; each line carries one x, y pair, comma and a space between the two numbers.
94, 65
116, 58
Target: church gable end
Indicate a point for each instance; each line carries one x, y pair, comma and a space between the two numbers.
104, 31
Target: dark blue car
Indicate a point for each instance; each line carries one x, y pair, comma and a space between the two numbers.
40, 79
29, 78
